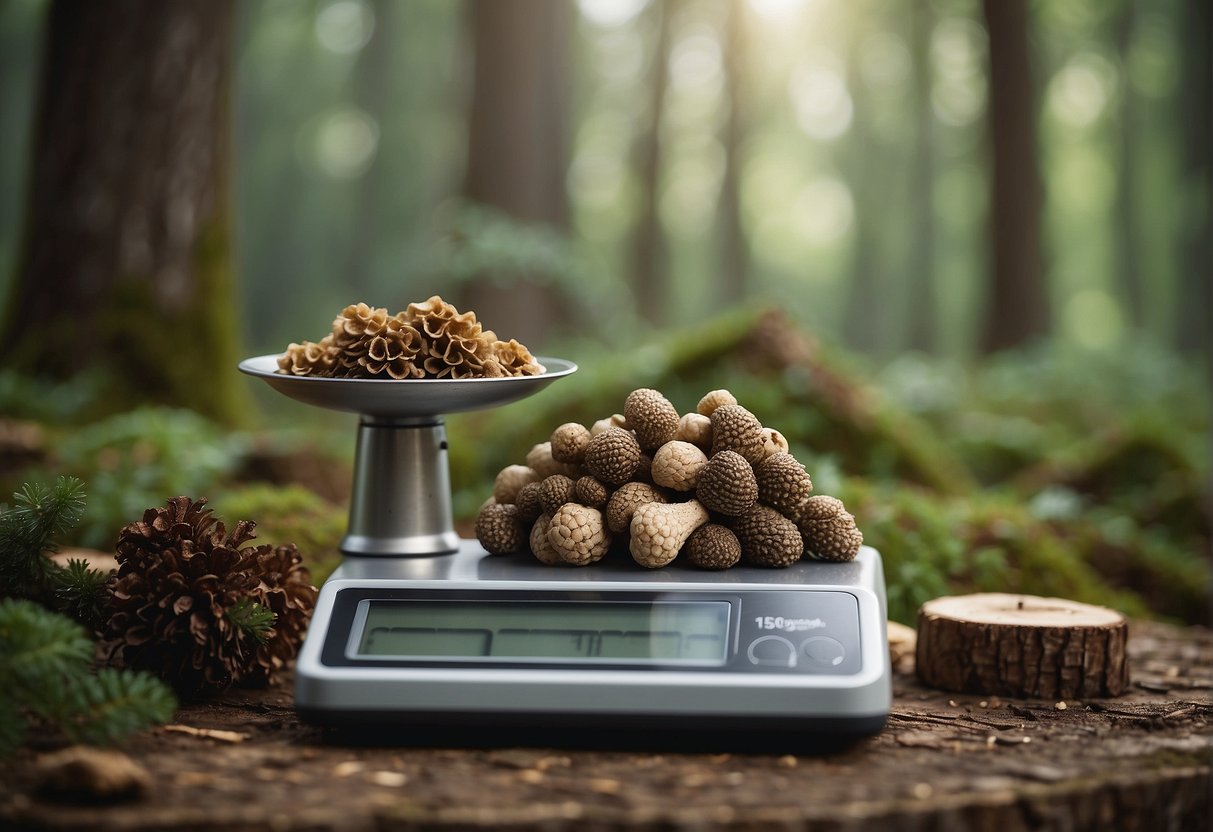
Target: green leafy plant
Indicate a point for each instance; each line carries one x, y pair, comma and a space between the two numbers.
27, 530
132, 460
44, 676
252, 618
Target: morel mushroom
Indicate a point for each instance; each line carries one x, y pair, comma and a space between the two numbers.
677, 465
499, 528
624, 502
829, 530
713, 546
578, 535
768, 538
727, 484
783, 483
651, 416
736, 429
659, 531
613, 456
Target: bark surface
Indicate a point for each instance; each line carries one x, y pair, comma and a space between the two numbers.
125, 265
945, 761
1021, 645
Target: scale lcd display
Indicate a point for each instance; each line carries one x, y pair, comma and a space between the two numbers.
635, 632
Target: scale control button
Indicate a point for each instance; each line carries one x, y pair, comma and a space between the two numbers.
824, 651
772, 651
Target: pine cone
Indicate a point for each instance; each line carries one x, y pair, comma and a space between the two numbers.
179, 574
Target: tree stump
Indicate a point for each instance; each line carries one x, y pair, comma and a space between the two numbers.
1022, 645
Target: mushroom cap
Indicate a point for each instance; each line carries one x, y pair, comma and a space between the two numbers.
540, 547
554, 492
696, 429
590, 492
651, 416
736, 429
768, 538
727, 484
783, 483
714, 399
776, 443
569, 442
677, 465
510, 480
712, 546
828, 530
544, 464
528, 503
613, 456
659, 531
499, 528
624, 502
578, 534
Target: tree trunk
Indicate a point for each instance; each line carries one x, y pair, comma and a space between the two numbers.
1195, 299
517, 144
370, 91
921, 334
125, 264
867, 314
1128, 232
734, 247
648, 276
1017, 309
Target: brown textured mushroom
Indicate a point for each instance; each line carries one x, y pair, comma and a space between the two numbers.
775, 443
829, 530
590, 492
624, 502
696, 429
500, 529
659, 531
677, 465
569, 442
712, 546
651, 416
708, 404
736, 429
540, 547
554, 492
578, 534
528, 503
510, 481
727, 484
540, 460
613, 456
768, 538
783, 483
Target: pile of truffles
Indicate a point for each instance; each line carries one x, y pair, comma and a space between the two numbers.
427, 340
714, 486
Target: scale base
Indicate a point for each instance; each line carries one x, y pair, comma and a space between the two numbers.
485, 702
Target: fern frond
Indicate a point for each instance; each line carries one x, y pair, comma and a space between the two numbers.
252, 618
114, 704
38, 649
80, 592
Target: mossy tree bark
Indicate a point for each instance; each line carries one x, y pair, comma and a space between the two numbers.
125, 266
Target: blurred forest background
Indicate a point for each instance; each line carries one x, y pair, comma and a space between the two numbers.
985, 228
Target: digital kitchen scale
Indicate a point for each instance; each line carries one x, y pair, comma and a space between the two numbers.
420, 630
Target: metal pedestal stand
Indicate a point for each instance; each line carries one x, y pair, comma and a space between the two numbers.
401, 501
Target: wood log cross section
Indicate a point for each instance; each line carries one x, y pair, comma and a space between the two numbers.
1022, 645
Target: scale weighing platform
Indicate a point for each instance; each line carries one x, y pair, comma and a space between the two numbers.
418, 629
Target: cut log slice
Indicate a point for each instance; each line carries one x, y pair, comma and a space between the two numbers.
1021, 645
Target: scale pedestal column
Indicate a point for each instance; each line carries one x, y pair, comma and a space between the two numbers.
401, 501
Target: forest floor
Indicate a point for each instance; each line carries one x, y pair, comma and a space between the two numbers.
944, 761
